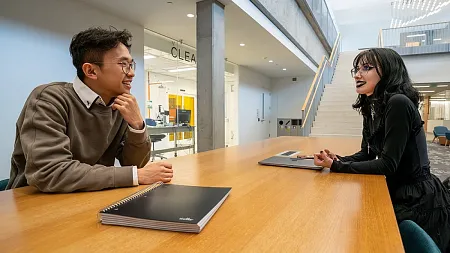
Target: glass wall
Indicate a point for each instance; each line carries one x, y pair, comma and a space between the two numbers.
171, 99
320, 12
440, 106
420, 39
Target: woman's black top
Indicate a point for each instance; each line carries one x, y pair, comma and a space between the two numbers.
394, 145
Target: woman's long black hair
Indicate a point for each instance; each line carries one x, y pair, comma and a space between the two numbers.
394, 80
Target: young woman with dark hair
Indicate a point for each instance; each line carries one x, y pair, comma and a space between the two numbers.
394, 143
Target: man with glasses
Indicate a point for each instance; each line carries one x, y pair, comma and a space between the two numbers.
68, 135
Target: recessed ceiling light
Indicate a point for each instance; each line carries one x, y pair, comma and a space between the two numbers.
270, 61
422, 86
284, 69
190, 15
427, 91
442, 85
242, 44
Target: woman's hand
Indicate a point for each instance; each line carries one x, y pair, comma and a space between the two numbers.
323, 160
331, 155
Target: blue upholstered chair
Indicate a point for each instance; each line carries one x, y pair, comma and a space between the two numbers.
447, 141
415, 239
3, 184
439, 131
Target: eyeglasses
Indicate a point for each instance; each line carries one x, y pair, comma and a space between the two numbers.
126, 67
363, 70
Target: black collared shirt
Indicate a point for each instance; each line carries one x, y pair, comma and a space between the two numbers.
394, 145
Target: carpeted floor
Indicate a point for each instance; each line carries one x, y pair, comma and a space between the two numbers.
439, 160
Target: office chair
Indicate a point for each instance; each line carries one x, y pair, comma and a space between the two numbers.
156, 138
415, 239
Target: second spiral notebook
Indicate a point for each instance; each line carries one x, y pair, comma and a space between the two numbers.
167, 207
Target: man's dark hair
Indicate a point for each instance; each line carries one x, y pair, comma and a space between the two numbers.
92, 44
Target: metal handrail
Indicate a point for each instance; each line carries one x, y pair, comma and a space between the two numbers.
317, 76
334, 52
409, 26
380, 38
418, 39
315, 91
326, 65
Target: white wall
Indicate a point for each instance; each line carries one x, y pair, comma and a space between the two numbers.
360, 35
34, 39
291, 17
434, 123
252, 85
447, 123
231, 107
287, 99
433, 68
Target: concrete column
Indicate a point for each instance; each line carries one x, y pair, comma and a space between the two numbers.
210, 75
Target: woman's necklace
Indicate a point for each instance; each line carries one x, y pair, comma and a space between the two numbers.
372, 111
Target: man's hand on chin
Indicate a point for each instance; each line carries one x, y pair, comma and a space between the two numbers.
127, 105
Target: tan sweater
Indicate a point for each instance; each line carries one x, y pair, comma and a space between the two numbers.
62, 146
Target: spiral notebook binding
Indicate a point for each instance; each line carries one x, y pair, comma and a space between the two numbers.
131, 197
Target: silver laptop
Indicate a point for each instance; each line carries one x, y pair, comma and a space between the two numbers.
291, 162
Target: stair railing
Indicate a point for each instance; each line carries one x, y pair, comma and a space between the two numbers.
323, 76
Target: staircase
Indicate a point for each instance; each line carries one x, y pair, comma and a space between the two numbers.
335, 115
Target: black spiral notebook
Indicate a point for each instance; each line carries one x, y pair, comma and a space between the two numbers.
167, 207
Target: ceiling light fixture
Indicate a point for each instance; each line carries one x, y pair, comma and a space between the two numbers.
160, 82
270, 61
438, 39
284, 69
190, 15
434, 4
442, 86
181, 70
426, 91
416, 35
242, 44
423, 5
414, 12
149, 56
422, 86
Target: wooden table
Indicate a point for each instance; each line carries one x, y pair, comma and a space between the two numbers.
270, 209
